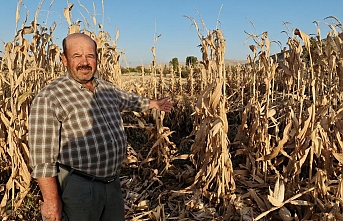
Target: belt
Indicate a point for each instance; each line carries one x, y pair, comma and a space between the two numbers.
87, 176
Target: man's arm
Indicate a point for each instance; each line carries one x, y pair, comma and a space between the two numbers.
52, 205
162, 104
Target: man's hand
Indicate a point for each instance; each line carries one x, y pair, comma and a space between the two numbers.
52, 210
52, 206
162, 104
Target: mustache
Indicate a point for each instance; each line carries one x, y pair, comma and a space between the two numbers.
84, 67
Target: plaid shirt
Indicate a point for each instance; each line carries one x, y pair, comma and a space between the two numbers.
71, 125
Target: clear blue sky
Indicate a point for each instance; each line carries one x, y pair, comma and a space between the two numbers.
137, 19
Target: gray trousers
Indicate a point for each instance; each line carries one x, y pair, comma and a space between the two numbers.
86, 200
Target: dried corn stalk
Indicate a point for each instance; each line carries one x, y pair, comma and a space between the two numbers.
209, 152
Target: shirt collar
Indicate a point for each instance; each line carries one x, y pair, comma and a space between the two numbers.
95, 81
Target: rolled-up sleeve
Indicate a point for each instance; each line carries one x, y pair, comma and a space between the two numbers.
44, 129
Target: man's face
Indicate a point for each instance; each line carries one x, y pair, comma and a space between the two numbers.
80, 60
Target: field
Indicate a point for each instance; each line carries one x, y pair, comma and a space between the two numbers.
255, 141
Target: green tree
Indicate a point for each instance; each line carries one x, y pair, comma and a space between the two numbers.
175, 63
184, 73
191, 60
124, 70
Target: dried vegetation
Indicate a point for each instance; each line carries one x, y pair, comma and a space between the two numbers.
260, 141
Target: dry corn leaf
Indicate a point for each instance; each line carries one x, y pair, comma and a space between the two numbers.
117, 37
266, 42
215, 97
301, 203
5, 198
66, 13
276, 197
339, 140
130, 159
158, 212
162, 139
279, 190
147, 160
180, 157
143, 205
17, 14
73, 29
217, 125
299, 163
94, 20
316, 142
27, 30
303, 133
277, 149
4, 120
274, 201
137, 114
305, 38
141, 124
22, 98
338, 156
271, 113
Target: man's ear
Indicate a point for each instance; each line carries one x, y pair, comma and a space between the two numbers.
64, 60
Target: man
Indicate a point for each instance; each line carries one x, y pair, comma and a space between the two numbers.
77, 140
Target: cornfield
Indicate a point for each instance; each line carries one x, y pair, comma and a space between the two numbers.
255, 141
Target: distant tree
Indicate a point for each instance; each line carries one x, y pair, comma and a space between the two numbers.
139, 69
184, 73
147, 70
124, 70
165, 70
175, 63
132, 69
191, 60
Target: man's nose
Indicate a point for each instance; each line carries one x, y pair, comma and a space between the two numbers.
84, 60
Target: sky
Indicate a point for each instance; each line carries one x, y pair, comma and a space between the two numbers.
140, 21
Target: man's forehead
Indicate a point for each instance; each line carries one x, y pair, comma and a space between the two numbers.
78, 35
75, 38
80, 44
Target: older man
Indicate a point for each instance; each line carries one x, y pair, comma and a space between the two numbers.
77, 140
